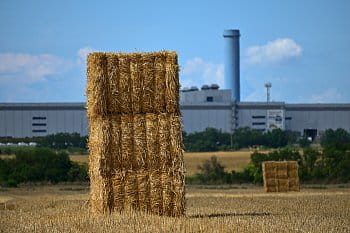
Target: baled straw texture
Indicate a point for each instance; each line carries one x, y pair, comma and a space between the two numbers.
132, 83
280, 176
136, 162
135, 143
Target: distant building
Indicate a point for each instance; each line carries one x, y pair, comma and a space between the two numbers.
208, 107
40, 119
200, 109
213, 108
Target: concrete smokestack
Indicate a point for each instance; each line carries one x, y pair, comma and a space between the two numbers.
232, 80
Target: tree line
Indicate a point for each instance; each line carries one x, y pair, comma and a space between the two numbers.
214, 140
40, 165
210, 139
329, 164
54, 141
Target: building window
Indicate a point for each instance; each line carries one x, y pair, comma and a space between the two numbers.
258, 117
288, 118
39, 130
258, 123
210, 98
260, 130
39, 124
39, 118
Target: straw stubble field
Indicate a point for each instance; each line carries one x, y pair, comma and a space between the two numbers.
235, 160
64, 209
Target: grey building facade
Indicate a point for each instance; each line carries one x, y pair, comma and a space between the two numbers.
40, 119
204, 108
200, 109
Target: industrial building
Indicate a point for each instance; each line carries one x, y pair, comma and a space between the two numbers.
201, 108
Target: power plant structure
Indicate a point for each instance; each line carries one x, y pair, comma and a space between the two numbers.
232, 78
201, 108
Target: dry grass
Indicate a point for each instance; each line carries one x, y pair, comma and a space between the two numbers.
61, 209
7, 156
236, 160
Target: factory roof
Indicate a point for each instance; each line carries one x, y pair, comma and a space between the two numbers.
215, 105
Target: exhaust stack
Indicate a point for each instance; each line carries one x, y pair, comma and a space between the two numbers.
232, 79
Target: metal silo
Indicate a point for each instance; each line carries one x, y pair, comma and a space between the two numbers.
232, 63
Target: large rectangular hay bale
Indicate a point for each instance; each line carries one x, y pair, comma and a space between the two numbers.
132, 83
280, 176
135, 133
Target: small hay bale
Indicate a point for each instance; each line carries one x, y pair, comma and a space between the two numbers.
172, 84
282, 170
152, 132
165, 160
176, 145
160, 86
125, 88
294, 184
179, 193
293, 169
137, 83
280, 176
116, 141
149, 92
144, 190
156, 194
127, 142
131, 191
113, 71
140, 142
97, 85
168, 193
283, 185
100, 147
118, 187
100, 194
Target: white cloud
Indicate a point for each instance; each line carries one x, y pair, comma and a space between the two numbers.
328, 96
273, 52
30, 68
206, 72
19, 71
83, 53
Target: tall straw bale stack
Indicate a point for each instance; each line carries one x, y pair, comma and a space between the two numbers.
280, 176
135, 142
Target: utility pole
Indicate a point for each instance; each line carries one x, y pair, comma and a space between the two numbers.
268, 85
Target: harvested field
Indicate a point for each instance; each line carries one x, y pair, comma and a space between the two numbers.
64, 209
235, 160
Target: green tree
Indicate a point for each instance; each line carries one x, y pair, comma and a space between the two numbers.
208, 140
310, 164
277, 138
337, 138
337, 163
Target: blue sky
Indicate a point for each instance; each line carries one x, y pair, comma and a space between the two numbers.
301, 47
